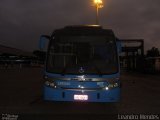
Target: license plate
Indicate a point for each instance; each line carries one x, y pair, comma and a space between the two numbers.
81, 97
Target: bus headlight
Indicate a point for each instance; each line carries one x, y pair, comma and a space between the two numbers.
113, 85
47, 83
51, 84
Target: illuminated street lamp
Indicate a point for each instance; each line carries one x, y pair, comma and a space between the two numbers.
98, 4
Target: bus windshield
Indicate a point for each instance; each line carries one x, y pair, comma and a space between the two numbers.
82, 55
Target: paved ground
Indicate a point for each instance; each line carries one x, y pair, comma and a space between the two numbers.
21, 94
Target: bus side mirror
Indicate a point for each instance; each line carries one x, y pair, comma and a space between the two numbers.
119, 46
44, 39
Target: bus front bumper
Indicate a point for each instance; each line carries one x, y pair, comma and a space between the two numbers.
78, 95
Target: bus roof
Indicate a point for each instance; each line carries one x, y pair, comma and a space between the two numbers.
83, 30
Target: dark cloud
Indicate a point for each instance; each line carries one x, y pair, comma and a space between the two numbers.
23, 21
135, 19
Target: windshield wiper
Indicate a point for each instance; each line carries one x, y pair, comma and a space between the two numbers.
64, 70
98, 70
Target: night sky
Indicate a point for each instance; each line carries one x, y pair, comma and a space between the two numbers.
23, 21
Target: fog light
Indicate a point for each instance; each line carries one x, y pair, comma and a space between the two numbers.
107, 88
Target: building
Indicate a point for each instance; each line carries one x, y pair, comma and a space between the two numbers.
11, 56
14, 51
132, 56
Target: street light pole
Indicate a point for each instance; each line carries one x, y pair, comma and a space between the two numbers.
97, 15
98, 4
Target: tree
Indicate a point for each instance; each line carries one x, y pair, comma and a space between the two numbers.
153, 52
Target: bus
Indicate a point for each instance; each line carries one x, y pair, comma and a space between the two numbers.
82, 65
